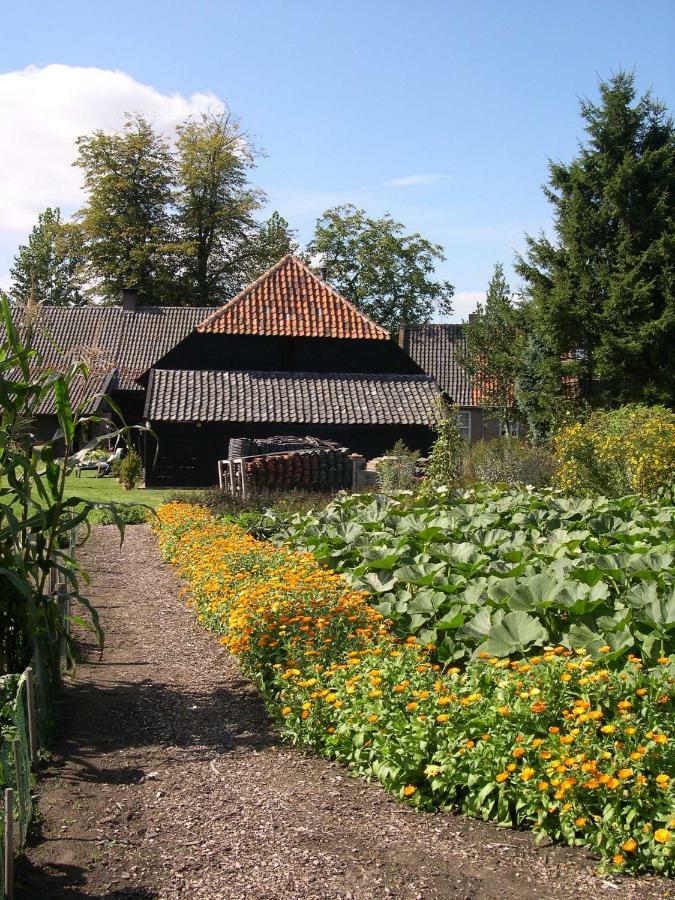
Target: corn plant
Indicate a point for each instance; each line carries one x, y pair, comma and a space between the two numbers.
36, 519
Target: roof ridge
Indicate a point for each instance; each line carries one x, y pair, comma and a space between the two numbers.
317, 289
242, 293
384, 376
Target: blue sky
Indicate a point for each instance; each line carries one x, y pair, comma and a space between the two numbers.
443, 113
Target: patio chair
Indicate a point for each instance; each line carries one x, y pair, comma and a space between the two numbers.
101, 465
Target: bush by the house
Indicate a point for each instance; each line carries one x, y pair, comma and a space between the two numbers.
615, 452
130, 472
396, 470
508, 460
563, 741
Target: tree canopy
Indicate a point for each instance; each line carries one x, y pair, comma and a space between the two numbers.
385, 272
494, 347
48, 269
602, 293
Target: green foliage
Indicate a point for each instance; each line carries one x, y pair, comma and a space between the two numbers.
48, 269
604, 291
503, 571
214, 208
397, 470
494, 349
540, 390
128, 178
385, 272
256, 513
620, 451
444, 466
507, 460
37, 519
130, 470
124, 513
272, 240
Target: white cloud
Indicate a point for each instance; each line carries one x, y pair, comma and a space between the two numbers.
463, 303
412, 180
44, 110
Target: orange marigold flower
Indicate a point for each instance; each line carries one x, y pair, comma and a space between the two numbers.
409, 790
661, 835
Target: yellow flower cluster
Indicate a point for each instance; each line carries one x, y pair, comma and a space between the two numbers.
631, 450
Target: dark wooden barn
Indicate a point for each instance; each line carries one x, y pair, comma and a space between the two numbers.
288, 355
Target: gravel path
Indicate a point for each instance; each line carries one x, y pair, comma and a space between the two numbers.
169, 782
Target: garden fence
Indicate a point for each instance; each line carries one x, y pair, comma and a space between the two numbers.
27, 724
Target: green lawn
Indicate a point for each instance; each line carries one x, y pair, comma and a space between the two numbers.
108, 488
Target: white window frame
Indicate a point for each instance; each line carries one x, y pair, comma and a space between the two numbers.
464, 423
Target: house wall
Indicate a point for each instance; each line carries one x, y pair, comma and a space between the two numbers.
187, 454
287, 354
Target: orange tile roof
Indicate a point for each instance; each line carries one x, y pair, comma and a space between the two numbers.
290, 300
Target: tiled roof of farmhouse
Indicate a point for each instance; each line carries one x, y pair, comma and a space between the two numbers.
86, 395
110, 338
436, 348
290, 397
290, 300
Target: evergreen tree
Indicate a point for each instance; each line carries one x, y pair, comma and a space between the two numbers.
126, 219
48, 268
494, 349
603, 293
385, 272
215, 203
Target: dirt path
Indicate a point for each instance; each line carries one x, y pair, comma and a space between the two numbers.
169, 782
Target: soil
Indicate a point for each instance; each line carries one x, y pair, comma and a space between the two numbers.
169, 781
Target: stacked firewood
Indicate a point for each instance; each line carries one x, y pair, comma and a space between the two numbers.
323, 469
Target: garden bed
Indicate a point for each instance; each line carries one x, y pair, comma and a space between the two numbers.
572, 740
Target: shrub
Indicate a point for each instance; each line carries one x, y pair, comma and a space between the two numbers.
444, 466
509, 461
251, 512
122, 514
397, 469
616, 452
130, 470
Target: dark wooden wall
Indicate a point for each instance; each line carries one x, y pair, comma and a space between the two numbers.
187, 453
285, 354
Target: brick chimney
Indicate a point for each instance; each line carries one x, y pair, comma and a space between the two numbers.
129, 299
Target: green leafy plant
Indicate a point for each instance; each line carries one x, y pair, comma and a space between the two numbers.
444, 465
37, 519
397, 469
460, 571
508, 460
130, 470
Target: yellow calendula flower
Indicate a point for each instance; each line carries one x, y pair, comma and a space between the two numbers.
432, 770
409, 790
662, 835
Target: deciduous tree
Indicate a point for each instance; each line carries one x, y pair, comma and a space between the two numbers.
126, 220
387, 273
495, 341
48, 269
215, 203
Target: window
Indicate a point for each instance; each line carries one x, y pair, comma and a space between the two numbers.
464, 424
512, 429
